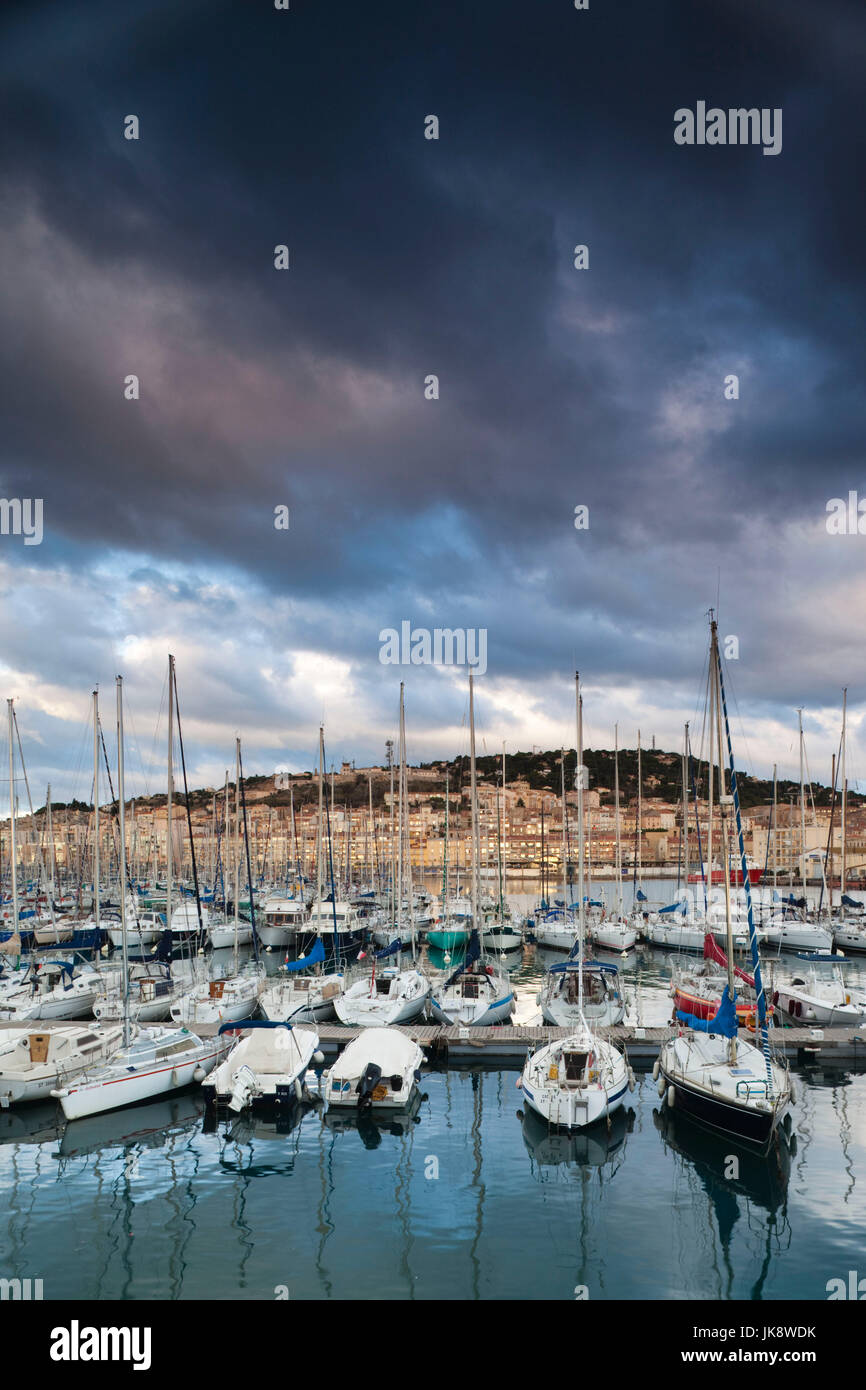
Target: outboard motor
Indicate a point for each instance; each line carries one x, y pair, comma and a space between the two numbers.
366, 1086
243, 1089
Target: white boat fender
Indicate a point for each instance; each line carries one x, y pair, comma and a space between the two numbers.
672, 1096
662, 1086
656, 1065
318, 1057
199, 1074
299, 1090
631, 1080
176, 1077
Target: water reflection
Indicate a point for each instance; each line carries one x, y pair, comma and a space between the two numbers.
372, 1125
587, 1148
741, 1186
146, 1126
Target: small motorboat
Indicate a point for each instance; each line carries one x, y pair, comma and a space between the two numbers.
829, 1003
268, 1067
379, 1069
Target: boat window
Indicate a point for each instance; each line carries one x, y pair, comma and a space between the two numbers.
170, 1049
575, 1065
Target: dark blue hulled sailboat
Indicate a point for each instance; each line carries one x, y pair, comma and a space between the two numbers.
706, 1071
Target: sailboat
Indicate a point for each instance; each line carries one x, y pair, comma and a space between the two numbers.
298, 996
151, 1061
615, 933
574, 1081
394, 995
473, 995
578, 990
225, 998
501, 933
705, 1071
450, 928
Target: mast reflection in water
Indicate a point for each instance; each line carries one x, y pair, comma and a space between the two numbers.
463, 1197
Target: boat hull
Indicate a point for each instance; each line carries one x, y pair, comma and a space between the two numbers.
96, 1097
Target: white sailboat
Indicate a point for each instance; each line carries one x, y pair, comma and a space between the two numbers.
500, 932
474, 995
706, 1071
392, 995
151, 1061
225, 998
579, 990
299, 997
56, 989
575, 1081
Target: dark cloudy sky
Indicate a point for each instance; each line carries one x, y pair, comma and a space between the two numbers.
409, 256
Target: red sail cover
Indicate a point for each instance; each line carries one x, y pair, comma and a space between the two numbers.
713, 951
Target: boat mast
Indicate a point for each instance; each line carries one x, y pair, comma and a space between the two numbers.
404, 774
844, 780
121, 802
389, 749
639, 824
578, 777
565, 895
473, 788
724, 802
618, 837
96, 811
802, 809
13, 852
170, 796
319, 847
708, 876
686, 810
775, 827
445, 855
400, 820
502, 828
52, 867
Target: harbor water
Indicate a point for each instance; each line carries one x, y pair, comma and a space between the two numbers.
469, 1196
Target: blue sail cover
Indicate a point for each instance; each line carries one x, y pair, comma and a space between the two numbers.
316, 956
673, 907
394, 949
724, 1020
850, 902
473, 951
641, 897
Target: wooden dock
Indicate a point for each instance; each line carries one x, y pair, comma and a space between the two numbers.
510, 1043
